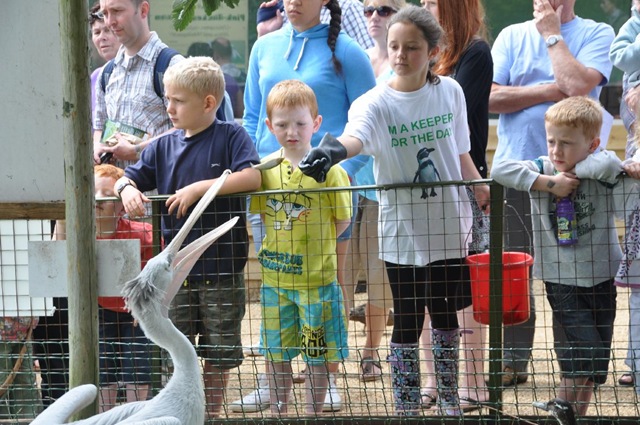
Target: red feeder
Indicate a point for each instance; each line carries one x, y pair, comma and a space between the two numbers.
515, 287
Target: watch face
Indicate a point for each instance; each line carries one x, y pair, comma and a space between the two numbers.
120, 187
552, 40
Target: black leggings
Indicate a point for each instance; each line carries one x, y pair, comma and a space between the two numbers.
433, 285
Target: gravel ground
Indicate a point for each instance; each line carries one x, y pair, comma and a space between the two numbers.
374, 398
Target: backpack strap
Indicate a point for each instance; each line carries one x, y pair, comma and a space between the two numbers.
162, 63
220, 115
106, 74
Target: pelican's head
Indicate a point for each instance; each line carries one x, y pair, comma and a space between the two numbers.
159, 281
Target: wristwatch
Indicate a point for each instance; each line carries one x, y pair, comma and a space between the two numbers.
552, 40
120, 187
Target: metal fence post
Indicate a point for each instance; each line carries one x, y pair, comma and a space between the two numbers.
495, 295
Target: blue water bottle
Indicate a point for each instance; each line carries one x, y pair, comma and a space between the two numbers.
567, 224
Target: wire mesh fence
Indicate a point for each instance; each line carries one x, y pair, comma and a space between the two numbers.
34, 365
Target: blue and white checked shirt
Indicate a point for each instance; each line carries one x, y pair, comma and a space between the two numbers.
129, 97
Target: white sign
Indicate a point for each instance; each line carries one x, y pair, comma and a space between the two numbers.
118, 261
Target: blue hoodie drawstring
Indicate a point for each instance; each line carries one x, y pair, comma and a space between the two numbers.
288, 52
295, 68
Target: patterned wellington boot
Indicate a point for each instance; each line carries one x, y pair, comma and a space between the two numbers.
405, 378
445, 346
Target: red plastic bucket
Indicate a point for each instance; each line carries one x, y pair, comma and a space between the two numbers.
515, 287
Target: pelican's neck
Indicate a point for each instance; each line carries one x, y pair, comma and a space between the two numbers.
167, 336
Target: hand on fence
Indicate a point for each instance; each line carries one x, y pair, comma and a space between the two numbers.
483, 197
632, 168
134, 202
183, 199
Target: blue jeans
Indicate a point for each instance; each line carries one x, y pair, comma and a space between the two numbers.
585, 316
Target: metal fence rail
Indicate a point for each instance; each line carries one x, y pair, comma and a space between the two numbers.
44, 366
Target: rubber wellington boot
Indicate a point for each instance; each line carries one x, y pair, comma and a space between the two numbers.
405, 378
445, 346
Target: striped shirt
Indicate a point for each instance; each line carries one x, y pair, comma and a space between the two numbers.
353, 21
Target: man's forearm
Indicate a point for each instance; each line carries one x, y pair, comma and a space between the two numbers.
572, 77
508, 99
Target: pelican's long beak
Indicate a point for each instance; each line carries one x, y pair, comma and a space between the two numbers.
187, 257
184, 259
201, 206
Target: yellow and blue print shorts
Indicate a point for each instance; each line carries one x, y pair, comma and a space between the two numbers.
308, 321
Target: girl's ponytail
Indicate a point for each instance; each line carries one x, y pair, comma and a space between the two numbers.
335, 25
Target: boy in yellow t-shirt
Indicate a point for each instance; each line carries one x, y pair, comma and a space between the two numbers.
302, 302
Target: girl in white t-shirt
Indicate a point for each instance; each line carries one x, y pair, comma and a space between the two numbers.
415, 127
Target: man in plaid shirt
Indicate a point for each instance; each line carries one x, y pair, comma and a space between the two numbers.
129, 97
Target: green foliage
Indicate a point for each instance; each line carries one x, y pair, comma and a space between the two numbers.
183, 11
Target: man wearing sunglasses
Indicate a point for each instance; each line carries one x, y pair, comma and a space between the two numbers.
382, 11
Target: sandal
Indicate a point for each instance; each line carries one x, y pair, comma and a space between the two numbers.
626, 380
468, 404
428, 399
371, 369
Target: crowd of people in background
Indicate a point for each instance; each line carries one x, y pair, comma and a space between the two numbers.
326, 82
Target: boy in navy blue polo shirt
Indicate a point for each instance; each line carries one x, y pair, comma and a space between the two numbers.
184, 164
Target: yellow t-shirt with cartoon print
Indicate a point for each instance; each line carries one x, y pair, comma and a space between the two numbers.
299, 247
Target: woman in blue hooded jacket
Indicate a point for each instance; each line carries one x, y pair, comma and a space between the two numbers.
326, 59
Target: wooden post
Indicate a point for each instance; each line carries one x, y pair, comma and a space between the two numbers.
79, 195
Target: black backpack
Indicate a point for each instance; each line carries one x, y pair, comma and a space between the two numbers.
162, 63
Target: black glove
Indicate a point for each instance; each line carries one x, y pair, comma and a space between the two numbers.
317, 162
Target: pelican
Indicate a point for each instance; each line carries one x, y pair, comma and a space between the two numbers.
149, 295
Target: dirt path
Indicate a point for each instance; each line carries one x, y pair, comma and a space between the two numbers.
374, 398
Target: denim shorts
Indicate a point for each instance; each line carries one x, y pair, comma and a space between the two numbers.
125, 352
214, 310
585, 316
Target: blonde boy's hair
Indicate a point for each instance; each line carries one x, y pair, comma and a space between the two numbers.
292, 94
108, 170
198, 74
578, 112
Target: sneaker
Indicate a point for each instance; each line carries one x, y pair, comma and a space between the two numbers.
332, 401
255, 401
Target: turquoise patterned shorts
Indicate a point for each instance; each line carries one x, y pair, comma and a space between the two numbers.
307, 321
